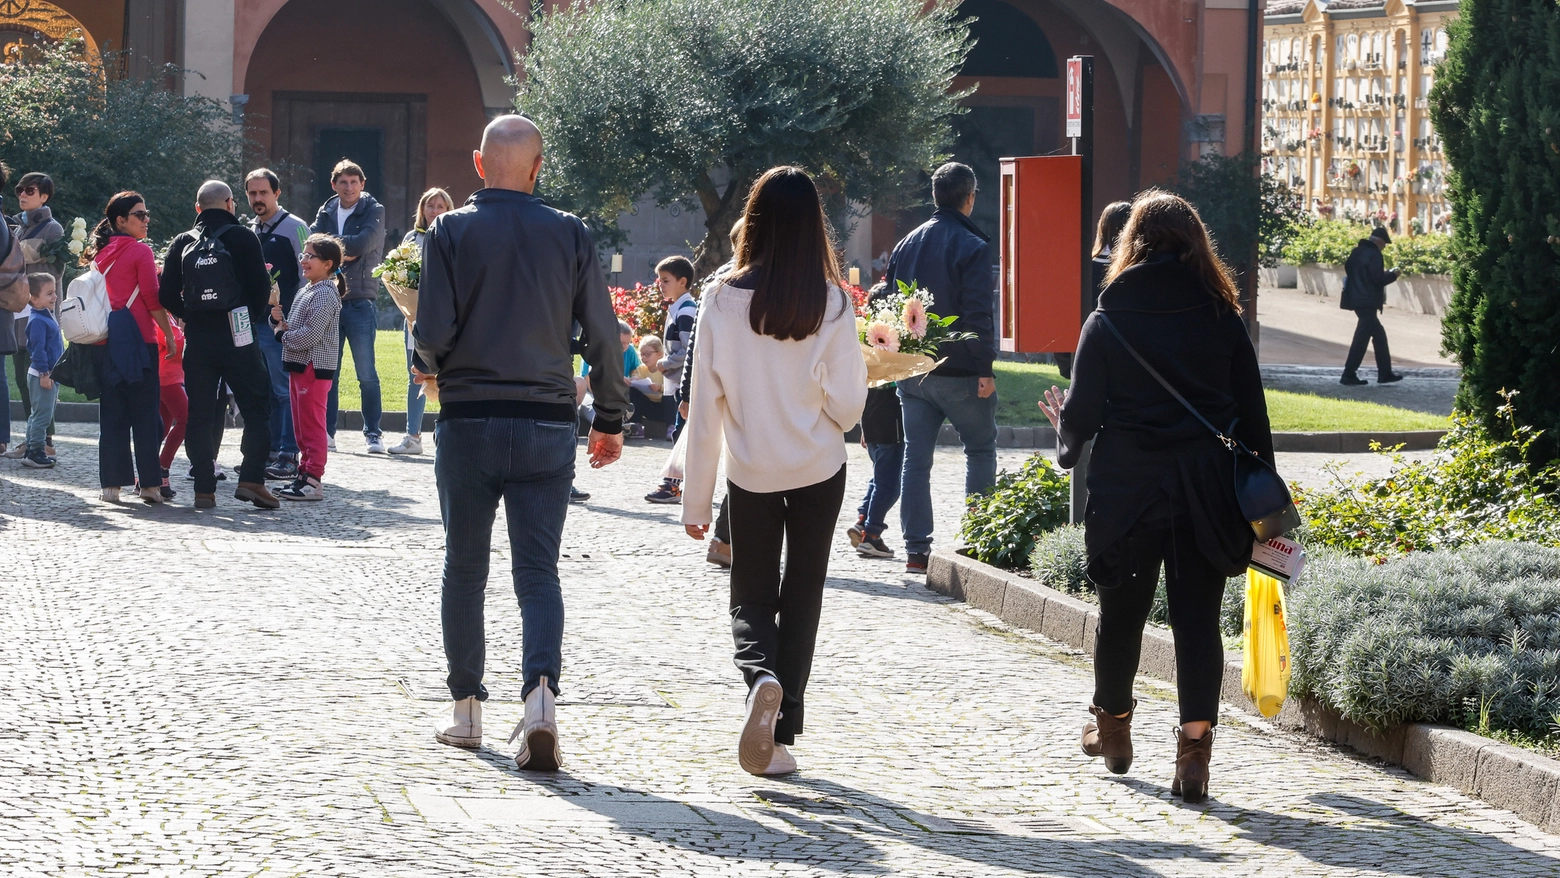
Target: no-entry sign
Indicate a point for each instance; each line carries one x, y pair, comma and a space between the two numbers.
1074, 97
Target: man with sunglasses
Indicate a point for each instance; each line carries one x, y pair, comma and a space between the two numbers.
36, 228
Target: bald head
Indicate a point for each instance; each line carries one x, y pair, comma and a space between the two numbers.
511, 153
213, 193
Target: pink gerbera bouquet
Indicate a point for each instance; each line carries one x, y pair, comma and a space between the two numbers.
900, 336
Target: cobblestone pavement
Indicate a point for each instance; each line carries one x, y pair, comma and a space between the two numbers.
235, 692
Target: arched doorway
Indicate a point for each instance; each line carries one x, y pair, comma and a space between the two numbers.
402, 87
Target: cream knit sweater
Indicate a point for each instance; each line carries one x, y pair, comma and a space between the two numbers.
782, 407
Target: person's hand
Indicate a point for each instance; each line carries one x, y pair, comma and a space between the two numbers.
175, 348
604, 448
349, 259
282, 326
863, 438
987, 387
1052, 405
45, 381
682, 410
697, 531
277, 315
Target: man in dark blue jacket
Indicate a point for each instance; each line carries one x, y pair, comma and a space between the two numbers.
951, 259
1365, 293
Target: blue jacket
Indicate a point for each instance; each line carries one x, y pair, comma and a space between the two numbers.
45, 346
951, 259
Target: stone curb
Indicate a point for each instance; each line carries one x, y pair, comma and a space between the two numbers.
1517, 780
1007, 437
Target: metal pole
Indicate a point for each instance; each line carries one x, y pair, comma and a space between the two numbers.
1083, 147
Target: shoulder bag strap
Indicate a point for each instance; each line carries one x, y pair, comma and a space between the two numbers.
1229, 443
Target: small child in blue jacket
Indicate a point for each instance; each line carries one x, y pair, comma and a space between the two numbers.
45, 347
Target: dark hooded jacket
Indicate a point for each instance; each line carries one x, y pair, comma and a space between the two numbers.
1151, 456
1365, 279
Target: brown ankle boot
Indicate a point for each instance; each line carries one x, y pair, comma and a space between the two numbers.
258, 494
1110, 737
1191, 766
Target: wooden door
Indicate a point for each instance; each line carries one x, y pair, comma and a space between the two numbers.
384, 133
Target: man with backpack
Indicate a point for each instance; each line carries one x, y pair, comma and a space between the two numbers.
214, 278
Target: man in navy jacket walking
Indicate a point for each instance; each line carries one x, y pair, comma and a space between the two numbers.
949, 257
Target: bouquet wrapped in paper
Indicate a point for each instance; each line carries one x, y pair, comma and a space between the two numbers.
900, 337
401, 273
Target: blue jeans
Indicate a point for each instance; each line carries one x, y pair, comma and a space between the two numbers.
282, 440
529, 465
416, 403
926, 403
359, 328
888, 463
42, 413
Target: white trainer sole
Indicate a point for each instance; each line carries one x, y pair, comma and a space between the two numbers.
757, 745
540, 751
466, 741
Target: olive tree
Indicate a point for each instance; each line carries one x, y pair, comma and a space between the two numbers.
691, 100
97, 133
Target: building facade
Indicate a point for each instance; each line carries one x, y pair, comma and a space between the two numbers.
1345, 107
405, 86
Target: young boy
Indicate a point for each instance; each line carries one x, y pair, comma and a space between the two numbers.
45, 347
674, 278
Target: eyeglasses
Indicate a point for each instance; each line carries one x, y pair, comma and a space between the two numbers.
27, 190
306, 255
142, 215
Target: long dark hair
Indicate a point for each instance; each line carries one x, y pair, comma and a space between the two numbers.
786, 251
118, 208
328, 248
1165, 223
1112, 220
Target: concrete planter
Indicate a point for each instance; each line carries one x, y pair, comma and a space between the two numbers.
1416, 293
1507, 777
1284, 277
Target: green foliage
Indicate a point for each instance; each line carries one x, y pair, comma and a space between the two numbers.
1324, 242
1496, 107
1469, 637
97, 135
1242, 209
1060, 561
1329, 242
1475, 489
1428, 253
1001, 524
691, 100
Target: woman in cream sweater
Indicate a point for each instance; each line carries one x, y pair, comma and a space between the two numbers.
779, 378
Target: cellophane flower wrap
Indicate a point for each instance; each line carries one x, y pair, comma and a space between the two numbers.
401, 273
900, 335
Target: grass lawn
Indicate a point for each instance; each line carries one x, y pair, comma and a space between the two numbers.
1019, 386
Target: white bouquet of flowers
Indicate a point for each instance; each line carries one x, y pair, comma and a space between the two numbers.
401, 273
900, 336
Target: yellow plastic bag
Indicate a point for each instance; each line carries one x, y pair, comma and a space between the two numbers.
1264, 675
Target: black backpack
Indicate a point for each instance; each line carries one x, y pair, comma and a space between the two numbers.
210, 282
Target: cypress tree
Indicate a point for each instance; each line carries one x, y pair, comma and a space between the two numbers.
1496, 106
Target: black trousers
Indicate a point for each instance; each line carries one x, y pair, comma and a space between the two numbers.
128, 413
1195, 590
1369, 331
210, 359
774, 618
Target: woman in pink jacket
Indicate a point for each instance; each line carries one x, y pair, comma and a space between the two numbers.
129, 411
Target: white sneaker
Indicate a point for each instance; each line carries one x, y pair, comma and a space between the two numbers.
780, 763
410, 445
110, 495
462, 727
538, 732
376, 445
330, 442
756, 748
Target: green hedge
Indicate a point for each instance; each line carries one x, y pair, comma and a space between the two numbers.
1329, 242
1001, 524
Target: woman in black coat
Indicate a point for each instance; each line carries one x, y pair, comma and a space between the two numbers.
1161, 485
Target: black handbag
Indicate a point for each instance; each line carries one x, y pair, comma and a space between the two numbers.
78, 371
1263, 497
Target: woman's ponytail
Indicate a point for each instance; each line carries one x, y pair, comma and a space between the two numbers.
118, 208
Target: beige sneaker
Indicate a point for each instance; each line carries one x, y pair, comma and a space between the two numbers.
538, 732
780, 763
110, 495
756, 748
17, 452
410, 445
462, 727
719, 554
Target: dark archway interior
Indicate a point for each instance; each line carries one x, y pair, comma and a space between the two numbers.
1007, 42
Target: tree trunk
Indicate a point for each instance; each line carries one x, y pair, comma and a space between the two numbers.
721, 211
